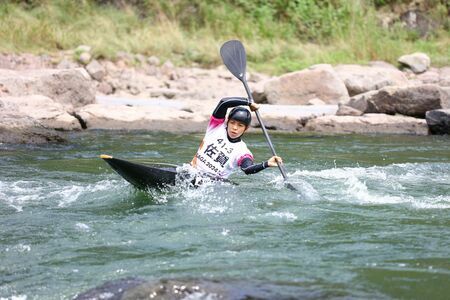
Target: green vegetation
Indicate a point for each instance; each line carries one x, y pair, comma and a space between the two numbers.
280, 35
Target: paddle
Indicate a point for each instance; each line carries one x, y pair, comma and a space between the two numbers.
235, 59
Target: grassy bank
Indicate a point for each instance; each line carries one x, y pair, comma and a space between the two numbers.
281, 36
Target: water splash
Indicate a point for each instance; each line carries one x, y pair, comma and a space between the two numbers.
305, 191
392, 184
23, 193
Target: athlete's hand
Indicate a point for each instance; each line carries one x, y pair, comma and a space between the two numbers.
272, 162
254, 106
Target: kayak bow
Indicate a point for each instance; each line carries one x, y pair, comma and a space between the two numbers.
143, 176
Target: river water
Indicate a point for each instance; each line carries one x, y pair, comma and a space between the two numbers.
372, 220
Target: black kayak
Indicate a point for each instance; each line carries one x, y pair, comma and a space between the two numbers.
143, 176
154, 175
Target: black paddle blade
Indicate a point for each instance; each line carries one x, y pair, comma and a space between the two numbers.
234, 57
290, 186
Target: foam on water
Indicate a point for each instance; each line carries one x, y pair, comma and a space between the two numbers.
23, 193
15, 297
17, 194
304, 190
82, 227
284, 215
20, 248
208, 198
383, 184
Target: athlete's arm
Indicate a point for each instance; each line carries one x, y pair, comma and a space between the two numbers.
249, 168
221, 110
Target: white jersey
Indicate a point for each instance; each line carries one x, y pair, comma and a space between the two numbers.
216, 154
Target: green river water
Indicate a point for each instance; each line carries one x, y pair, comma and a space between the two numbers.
372, 220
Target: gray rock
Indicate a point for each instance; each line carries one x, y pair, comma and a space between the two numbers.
417, 62
153, 61
345, 110
258, 92
166, 93
111, 69
134, 89
168, 65
151, 70
256, 77
359, 102
315, 101
67, 64
360, 79
168, 69
112, 290
69, 87
41, 109
126, 57
320, 81
176, 116
290, 117
105, 88
96, 70
382, 64
439, 121
24, 61
26, 130
368, 124
445, 96
177, 289
411, 101
429, 77
444, 77
153, 117
140, 59
84, 58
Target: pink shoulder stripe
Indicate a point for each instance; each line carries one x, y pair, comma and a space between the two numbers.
243, 157
214, 122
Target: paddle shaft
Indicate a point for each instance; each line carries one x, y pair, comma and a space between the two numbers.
266, 134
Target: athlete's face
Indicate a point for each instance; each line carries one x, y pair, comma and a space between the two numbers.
235, 128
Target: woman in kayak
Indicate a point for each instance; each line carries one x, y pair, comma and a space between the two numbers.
222, 150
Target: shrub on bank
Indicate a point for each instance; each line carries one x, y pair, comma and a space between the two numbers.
280, 35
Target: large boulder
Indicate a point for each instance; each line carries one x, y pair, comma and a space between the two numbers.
345, 110
368, 124
429, 77
96, 70
185, 116
360, 79
176, 289
26, 130
382, 64
360, 101
444, 77
412, 101
43, 110
418, 62
288, 117
71, 87
148, 117
319, 81
439, 121
24, 61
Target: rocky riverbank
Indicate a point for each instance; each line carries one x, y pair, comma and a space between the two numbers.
41, 97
